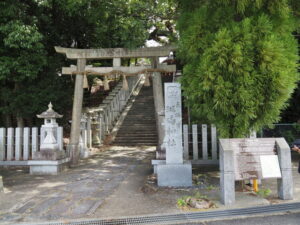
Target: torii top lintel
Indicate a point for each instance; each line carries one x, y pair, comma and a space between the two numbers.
108, 53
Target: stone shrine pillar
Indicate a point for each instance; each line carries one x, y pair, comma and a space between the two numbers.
174, 172
50, 159
73, 146
159, 109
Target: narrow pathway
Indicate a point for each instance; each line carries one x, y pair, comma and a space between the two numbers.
75, 193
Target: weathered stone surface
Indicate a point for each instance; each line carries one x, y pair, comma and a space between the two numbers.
125, 69
285, 184
25, 207
47, 167
199, 203
107, 53
83, 207
174, 175
173, 123
45, 205
49, 155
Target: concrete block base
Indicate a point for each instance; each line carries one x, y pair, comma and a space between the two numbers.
47, 167
49, 155
156, 162
174, 175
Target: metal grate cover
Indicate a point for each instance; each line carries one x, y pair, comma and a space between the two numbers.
177, 218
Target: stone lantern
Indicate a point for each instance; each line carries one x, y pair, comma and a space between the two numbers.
49, 129
84, 151
95, 129
50, 159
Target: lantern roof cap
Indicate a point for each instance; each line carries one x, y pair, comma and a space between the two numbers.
50, 113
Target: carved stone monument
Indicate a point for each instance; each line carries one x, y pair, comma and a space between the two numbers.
50, 159
259, 158
174, 172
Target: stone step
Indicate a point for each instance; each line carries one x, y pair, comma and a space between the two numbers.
137, 139
120, 138
135, 144
139, 118
136, 130
139, 125
137, 134
135, 124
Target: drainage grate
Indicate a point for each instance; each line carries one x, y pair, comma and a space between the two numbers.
184, 217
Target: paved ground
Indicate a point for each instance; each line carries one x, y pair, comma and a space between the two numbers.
75, 193
113, 183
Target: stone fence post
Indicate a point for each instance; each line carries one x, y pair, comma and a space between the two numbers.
227, 179
285, 183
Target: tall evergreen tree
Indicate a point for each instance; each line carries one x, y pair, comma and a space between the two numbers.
240, 61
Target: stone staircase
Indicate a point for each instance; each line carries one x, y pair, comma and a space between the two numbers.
139, 126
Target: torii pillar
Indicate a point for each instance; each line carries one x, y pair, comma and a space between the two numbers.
159, 108
76, 113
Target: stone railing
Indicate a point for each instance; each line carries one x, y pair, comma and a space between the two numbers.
98, 122
200, 144
18, 145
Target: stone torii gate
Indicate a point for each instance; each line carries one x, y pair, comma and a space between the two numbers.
82, 55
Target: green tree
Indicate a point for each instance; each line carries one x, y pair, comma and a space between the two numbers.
240, 61
29, 30
22, 57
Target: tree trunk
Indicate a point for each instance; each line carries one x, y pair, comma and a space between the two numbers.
29, 121
7, 120
19, 118
20, 121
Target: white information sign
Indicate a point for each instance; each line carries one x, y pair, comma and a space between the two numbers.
270, 166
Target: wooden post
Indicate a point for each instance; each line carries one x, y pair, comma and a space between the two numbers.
76, 113
159, 104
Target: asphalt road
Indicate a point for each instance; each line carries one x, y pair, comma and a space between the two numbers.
286, 219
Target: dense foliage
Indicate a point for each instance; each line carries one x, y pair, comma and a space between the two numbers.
240, 61
29, 30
